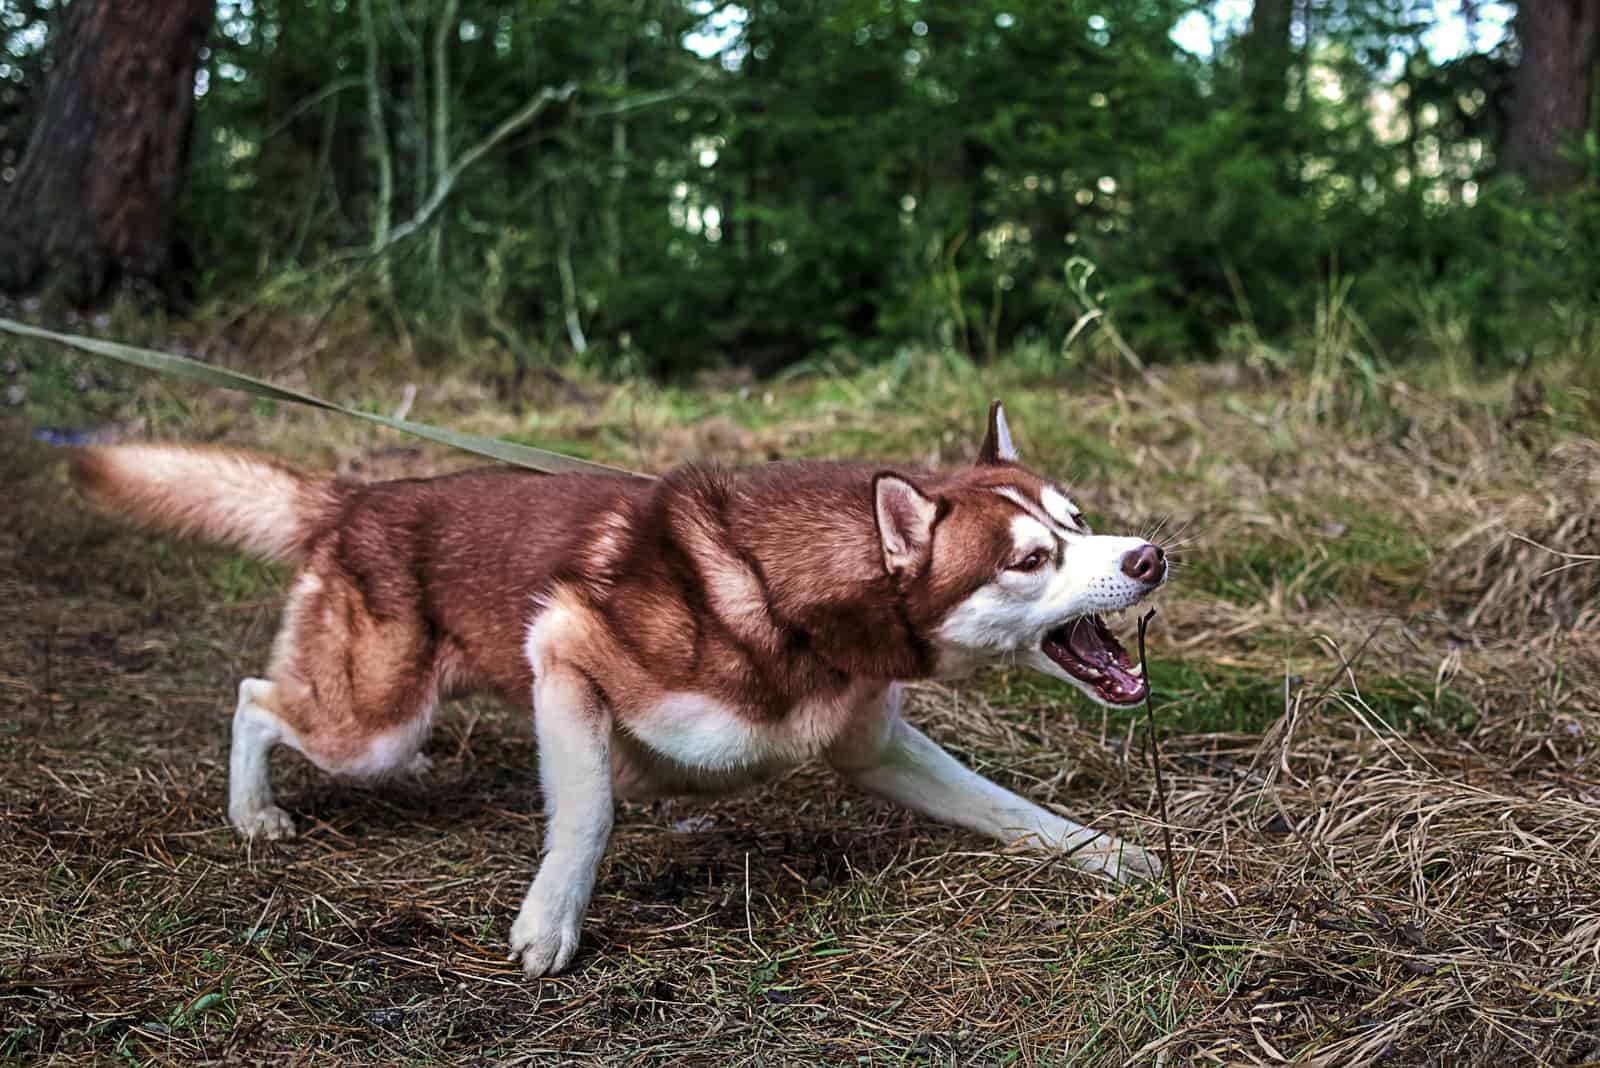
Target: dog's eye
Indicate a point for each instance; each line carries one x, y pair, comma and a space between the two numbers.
1032, 562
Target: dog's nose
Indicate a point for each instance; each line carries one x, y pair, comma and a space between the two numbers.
1147, 564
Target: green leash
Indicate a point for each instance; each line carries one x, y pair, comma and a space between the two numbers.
509, 452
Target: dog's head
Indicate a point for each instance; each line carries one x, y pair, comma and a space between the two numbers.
996, 563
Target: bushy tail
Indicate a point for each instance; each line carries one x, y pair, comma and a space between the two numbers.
221, 495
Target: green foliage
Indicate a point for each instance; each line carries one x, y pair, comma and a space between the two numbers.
770, 182
24, 29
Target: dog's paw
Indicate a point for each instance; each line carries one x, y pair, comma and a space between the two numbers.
270, 824
1118, 860
1131, 864
545, 940
420, 765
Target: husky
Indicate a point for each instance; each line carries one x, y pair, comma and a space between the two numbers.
688, 635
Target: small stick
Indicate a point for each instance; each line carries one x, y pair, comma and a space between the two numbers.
1155, 762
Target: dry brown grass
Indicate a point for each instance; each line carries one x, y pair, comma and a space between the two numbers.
1548, 575
1400, 865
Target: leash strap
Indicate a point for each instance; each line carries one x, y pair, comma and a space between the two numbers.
528, 456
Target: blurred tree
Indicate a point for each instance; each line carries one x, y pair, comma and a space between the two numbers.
1554, 91
1267, 55
93, 199
763, 181
24, 29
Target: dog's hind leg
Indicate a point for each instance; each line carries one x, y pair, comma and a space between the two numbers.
574, 728
887, 756
353, 695
256, 730
331, 733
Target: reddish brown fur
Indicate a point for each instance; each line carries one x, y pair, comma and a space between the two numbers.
761, 592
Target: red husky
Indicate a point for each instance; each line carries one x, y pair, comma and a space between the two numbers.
687, 635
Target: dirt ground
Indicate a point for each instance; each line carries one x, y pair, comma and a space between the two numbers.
1353, 890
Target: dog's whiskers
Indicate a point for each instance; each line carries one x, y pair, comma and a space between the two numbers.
1177, 536
1179, 543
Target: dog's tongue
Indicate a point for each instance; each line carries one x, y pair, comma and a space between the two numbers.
1085, 639
1095, 655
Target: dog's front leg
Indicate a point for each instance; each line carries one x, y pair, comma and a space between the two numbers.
887, 756
573, 727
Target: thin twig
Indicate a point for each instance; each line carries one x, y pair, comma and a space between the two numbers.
639, 101
353, 81
380, 141
1155, 762
330, 122
1572, 559
446, 181
441, 122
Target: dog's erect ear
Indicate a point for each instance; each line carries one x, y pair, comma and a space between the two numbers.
905, 521
997, 447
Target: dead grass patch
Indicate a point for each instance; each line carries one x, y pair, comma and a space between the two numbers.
1543, 571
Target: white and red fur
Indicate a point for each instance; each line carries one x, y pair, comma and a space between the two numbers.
687, 635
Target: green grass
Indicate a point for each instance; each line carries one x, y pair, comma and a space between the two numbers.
1191, 695
1255, 570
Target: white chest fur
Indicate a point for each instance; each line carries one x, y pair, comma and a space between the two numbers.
692, 743
700, 733
688, 741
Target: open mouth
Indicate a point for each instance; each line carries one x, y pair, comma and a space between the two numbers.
1088, 651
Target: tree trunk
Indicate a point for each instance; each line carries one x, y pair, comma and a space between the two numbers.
1553, 90
95, 195
1267, 52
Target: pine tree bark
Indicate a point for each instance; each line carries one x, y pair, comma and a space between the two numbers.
96, 192
1267, 52
1553, 90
